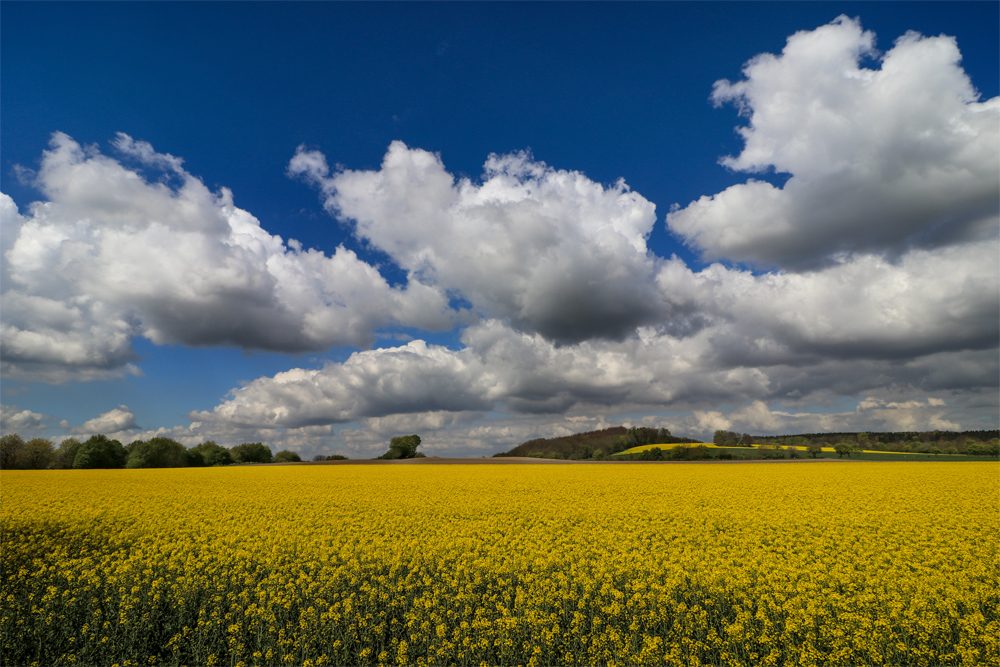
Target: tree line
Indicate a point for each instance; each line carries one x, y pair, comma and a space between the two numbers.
971, 443
100, 451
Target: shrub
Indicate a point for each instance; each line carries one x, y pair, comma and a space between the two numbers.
287, 456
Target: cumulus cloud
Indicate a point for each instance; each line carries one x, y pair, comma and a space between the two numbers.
15, 420
116, 422
880, 160
413, 378
886, 283
499, 368
548, 250
930, 322
862, 307
110, 255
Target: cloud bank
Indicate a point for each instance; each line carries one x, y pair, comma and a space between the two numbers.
882, 283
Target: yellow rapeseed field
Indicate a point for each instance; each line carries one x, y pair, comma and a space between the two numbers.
748, 564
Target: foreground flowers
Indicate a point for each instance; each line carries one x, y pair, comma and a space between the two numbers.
805, 564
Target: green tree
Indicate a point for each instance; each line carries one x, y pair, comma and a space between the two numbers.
287, 456
10, 446
620, 444
157, 453
100, 451
402, 447
974, 448
844, 448
653, 454
815, 449
37, 454
251, 452
66, 452
212, 453
728, 439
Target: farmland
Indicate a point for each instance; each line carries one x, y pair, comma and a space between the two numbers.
756, 451
875, 563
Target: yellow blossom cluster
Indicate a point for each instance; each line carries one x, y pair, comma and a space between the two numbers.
610, 564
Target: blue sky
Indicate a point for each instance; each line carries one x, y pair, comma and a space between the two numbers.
839, 272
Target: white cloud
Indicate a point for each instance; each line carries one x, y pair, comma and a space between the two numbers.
413, 378
111, 255
862, 324
880, 159
862, 307
885, 233
549, 250
114, 423
22, 422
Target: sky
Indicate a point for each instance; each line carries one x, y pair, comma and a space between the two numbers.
321, 225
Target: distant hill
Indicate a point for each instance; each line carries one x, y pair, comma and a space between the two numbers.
603, 443
594, 443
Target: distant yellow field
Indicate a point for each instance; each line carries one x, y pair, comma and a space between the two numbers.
833, 564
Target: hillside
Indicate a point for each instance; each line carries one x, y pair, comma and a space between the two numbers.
593, 444
603, 443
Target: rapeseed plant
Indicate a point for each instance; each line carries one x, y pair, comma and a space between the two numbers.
833, 564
